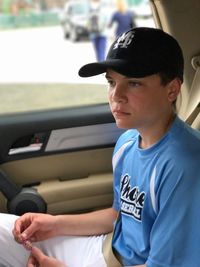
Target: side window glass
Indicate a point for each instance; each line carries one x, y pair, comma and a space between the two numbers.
43, 46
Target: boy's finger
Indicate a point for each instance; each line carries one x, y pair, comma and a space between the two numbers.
31, 262
27, 244
37, 253
28, 233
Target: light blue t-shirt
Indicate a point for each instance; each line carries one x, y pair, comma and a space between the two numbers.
157, 191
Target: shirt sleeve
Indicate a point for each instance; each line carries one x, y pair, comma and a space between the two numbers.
175, 234
125, 140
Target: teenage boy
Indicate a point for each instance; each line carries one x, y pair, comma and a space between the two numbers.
155, 211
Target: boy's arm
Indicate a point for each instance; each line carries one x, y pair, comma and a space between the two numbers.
93, 223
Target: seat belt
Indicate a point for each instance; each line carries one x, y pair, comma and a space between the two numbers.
194, 95
193, 115
108, 253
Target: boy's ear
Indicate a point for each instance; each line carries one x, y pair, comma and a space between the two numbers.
174, 88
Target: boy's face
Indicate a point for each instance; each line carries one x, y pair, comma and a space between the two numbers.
140, 103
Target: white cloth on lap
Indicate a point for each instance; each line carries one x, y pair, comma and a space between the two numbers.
74, 251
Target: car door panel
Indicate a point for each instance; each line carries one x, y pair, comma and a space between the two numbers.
62, 170
70, 178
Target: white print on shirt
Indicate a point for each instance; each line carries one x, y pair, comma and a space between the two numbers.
132, 200
124, 41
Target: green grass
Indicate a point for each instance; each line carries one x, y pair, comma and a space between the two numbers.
28, 97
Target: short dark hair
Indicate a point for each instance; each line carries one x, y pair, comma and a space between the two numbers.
167, 77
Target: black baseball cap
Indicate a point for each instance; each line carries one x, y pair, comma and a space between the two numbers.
140, 52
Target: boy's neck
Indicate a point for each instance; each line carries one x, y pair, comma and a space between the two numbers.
154, 134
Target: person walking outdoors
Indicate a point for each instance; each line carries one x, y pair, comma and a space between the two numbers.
123, 18
97, 24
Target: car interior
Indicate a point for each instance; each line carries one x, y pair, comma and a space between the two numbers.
60, 160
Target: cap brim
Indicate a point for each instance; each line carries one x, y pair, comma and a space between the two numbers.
129, 69
97, 68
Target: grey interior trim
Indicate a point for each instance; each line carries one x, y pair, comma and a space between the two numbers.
14, 127
84, 136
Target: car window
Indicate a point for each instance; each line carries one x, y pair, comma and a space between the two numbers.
42, 50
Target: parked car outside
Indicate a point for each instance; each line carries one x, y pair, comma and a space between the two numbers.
74, 20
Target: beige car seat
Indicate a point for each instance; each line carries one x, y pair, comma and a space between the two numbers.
192, 114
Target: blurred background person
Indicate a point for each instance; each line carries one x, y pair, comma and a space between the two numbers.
123, 18
97, 25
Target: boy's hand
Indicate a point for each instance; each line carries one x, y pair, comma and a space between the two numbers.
34, 227
39, 259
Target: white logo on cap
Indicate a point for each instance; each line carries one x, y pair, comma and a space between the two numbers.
124, 40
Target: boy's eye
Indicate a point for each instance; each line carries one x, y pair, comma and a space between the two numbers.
110, 82
134, 83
